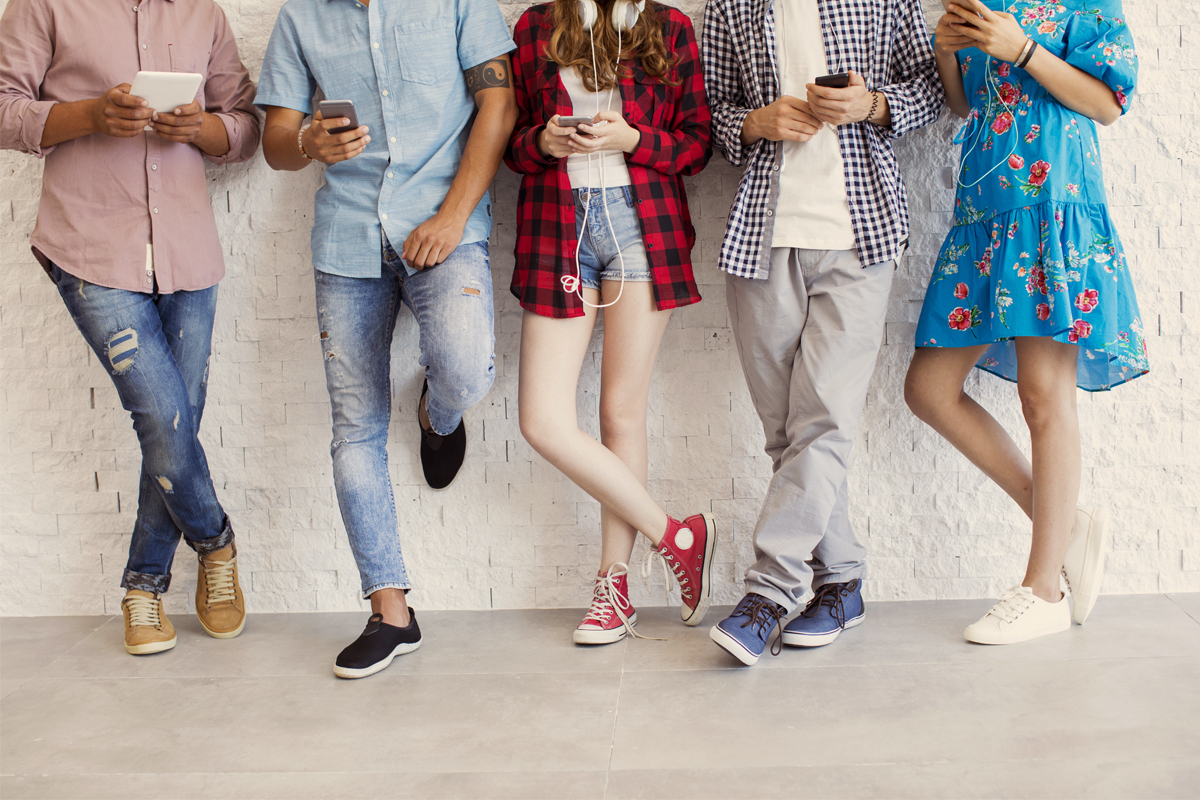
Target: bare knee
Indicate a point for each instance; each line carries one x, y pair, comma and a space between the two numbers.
621, 420
925, 397
544, 433
1042, 406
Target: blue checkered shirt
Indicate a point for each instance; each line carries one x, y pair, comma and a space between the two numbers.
887, 42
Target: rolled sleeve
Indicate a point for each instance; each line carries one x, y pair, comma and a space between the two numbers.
482, 34
915, 99
722, 81
229, 95
285, 80
26, 50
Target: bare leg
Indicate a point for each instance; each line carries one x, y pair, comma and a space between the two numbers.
633, 330
1046, 382
552, 352
933, 390
392, 605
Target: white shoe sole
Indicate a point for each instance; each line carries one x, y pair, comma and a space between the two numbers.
1083, 597
796, 639
732, 646
218, 634
378, 666
988, 637
710, 545
592, 636
150, 647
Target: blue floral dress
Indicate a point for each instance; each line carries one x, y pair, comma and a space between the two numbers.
1033, 251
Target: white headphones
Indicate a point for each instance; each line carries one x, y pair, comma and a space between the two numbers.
624, 14
624, 17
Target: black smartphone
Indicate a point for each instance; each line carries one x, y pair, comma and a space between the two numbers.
838, 80
331, 109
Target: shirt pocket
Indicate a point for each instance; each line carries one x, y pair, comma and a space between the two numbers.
427, 51
651, 101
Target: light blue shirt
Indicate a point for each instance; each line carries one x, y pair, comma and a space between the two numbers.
402, 63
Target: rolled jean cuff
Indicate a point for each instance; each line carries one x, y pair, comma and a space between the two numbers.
372, 590
143, 582
211, 545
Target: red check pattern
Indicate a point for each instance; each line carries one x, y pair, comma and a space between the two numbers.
676, 140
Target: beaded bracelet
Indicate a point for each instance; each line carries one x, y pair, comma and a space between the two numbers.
300, 142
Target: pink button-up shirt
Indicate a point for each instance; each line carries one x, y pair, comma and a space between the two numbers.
104, 198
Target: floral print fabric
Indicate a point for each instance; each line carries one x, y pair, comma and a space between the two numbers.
1033, 251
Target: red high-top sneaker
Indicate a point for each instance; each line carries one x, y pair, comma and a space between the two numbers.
611, 616
687, 547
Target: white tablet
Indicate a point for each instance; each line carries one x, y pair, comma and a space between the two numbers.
166, 91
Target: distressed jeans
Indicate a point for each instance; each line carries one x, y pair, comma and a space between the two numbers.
452, 304
156, 348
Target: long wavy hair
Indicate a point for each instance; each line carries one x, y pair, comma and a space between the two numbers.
569, 45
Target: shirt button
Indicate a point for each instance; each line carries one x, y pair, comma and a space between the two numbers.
376, 45
143, 47
393, 138
385, 92
770, 213
156, 211
774, 169
389, 174
383, 216
154, 166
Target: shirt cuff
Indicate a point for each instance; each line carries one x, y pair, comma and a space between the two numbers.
233, 134
899, 111
33, 125
735, 151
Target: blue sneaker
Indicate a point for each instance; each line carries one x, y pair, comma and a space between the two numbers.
835, 607
744, 633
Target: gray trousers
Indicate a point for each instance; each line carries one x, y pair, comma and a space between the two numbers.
808, 337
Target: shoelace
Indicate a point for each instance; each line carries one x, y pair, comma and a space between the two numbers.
144, 611
1012, 604
606, 601
218, 577
670, 565
761, 612
831, 595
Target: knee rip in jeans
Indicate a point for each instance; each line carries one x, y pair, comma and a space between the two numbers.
122, 347
166, 484
473, 290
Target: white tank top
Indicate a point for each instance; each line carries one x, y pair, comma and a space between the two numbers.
607, 168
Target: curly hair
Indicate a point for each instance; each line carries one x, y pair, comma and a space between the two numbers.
569, 45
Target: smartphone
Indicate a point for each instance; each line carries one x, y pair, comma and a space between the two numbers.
331, 109
839, 80
573, 122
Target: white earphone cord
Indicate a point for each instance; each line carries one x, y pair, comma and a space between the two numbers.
574, 283
992, 91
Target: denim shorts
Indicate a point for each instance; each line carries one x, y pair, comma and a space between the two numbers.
600, 254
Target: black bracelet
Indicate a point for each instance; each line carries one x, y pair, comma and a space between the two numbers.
874, 105
1021, 64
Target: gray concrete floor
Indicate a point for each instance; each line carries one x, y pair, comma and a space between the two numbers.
502, 704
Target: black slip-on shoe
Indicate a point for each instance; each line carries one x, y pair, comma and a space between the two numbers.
377, 646
441, 456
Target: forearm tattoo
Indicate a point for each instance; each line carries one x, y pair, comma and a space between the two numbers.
488, 75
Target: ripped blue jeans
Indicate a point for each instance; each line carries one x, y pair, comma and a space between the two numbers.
452, 304
155, 347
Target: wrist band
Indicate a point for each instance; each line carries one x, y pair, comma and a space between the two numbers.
874, 105
300, 142
1026, 54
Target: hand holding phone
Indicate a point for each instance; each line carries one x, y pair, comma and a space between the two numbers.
839, 80
328, 140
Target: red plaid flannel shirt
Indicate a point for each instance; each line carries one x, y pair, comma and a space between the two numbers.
676, 133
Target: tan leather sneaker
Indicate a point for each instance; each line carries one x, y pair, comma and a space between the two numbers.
147, 629
219, 601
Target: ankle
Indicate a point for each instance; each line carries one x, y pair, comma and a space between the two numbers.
391, 604
1045, 591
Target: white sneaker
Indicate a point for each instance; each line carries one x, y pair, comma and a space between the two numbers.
1020, 615
1084, 563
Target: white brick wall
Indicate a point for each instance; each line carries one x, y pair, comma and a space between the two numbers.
512, 532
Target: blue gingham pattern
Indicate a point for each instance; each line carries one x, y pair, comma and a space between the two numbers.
888, 43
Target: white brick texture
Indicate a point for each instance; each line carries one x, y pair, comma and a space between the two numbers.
512, 532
